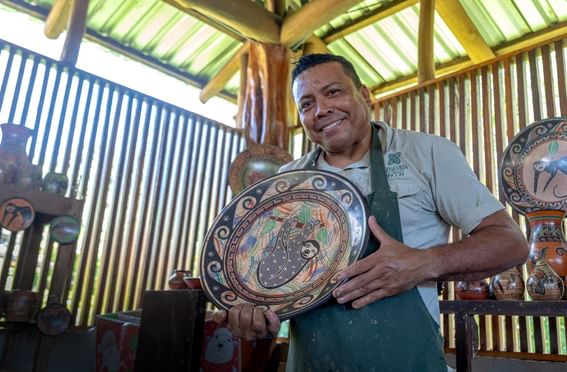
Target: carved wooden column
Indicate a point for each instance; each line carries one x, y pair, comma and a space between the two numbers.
264, 108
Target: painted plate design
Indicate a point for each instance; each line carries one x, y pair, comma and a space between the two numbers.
54, 319
65, 229
281, 242
533, 174
254, 164
16, 214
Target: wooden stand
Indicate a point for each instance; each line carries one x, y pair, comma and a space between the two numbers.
47, 207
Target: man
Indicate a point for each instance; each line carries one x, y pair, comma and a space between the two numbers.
385, 315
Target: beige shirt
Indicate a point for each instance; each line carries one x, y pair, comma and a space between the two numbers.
435, 185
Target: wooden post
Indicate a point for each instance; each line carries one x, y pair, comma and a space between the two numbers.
75, 31
264, 110
425, 55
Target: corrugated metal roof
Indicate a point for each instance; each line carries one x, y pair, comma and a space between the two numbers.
383, 51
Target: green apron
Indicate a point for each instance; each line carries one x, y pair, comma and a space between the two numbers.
396, 333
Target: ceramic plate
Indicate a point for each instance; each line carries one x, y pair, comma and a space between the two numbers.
53, 319
65, 229
254, 164
16, 214
533, 174
281, 242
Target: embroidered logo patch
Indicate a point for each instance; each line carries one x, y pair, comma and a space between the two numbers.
395, 167
394, 158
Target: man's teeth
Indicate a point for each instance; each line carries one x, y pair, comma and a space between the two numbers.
330, 126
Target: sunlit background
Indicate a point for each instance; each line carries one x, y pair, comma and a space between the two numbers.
27, 31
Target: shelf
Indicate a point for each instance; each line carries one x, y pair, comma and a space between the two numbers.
44, 202
494, 307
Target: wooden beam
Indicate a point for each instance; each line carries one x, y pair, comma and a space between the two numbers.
57, 18
219, 81
276, 6
380, 14
464, 30
425, 55
314, 45
542, 37
75, 31
245, 16
300, 25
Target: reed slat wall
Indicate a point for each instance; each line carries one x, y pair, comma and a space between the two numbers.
153, 177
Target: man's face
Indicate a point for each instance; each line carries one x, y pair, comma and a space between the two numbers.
334, 113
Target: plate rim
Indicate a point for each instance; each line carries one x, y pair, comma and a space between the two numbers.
321, 299
502, 183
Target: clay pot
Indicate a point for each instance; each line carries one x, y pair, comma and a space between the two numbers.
21, 306
471, 290
507, 285
192, 282
547, 240
27, 176
14, 142
55, 183
175, 280
544, 284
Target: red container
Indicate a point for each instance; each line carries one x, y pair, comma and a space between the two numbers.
116, 342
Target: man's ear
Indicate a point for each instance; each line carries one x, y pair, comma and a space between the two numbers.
366, 94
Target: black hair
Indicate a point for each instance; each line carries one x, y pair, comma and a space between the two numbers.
311, 60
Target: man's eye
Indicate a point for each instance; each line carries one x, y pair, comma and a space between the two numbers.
305, 105
332, 92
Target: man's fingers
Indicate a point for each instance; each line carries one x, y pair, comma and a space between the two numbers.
258, 322
219, 316
273, 322
370, 298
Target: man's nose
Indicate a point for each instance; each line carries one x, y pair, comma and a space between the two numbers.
323, 108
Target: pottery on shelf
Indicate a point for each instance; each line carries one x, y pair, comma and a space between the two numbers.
55, 183
471, 290
14, 164
192, 282
544, 284
22, 305
176, 281
507, 285
547, 240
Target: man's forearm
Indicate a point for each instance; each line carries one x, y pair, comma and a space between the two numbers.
495, 245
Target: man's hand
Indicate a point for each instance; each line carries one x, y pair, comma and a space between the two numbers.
248, 321
393, 269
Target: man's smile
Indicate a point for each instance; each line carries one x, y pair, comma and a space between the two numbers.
327, 127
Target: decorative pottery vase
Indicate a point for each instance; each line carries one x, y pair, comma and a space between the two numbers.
55, 183
544, 284
547, 240
21, 306
471, 290
507, 285
14, 164
14, 141
175, 280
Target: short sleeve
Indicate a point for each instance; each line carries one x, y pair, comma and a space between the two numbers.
461, 199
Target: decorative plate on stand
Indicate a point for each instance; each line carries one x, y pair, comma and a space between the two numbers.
281, 242
254, 164
533, 174
16, 214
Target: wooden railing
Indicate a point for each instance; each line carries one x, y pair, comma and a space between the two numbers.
464, 312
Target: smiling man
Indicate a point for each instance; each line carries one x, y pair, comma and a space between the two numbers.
385, 316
